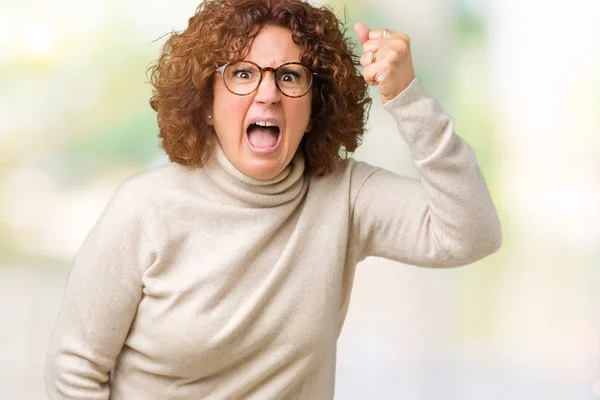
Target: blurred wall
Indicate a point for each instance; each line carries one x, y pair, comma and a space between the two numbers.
521, 79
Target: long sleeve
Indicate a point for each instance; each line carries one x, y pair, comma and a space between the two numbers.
100, 301
447, 217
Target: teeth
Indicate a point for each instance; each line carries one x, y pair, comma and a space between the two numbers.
264, 123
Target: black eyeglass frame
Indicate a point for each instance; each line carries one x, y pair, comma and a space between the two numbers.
221, 71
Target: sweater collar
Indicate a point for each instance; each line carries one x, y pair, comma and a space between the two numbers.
231, 186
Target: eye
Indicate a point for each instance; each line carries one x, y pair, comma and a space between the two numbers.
289, 76
242, 74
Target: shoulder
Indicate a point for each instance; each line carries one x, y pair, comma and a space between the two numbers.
350, 173
155, 181
141, 190
154, 178
349, 169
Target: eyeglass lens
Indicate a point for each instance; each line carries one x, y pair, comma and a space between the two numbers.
244, 77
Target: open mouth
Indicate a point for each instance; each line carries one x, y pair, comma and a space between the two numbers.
263, 135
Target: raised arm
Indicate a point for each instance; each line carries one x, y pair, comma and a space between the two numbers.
100, 301
447, 218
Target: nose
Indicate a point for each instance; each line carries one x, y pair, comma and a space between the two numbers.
267, 92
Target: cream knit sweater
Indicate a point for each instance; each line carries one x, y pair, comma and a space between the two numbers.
206, 284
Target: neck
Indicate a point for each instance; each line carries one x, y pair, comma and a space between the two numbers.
231, 186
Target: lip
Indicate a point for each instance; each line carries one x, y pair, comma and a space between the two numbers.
272, 120
268, 150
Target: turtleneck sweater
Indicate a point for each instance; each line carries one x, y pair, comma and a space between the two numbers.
203, 283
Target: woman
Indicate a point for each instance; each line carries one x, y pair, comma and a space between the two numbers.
227, 273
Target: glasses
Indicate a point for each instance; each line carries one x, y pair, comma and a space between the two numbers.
293, 79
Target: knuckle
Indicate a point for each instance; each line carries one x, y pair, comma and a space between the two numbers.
396, 54
402, 48
364, 59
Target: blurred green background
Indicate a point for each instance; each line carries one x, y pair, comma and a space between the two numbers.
521, 79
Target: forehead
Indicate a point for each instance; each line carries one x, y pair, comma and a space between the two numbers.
273, 46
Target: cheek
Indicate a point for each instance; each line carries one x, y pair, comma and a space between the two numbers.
229, 111
299, 114
307, 106
305, 113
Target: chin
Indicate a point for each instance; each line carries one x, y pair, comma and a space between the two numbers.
262, 170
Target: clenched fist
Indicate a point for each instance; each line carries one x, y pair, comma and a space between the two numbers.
386, 61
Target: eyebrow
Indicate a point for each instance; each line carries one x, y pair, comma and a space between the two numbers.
273, 63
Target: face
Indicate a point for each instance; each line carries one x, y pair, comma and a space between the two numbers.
257, 151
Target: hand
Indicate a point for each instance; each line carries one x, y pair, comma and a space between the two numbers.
392, 70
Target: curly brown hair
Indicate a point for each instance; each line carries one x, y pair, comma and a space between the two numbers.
222, 31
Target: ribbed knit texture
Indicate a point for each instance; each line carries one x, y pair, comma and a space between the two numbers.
202, 283
229, 185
